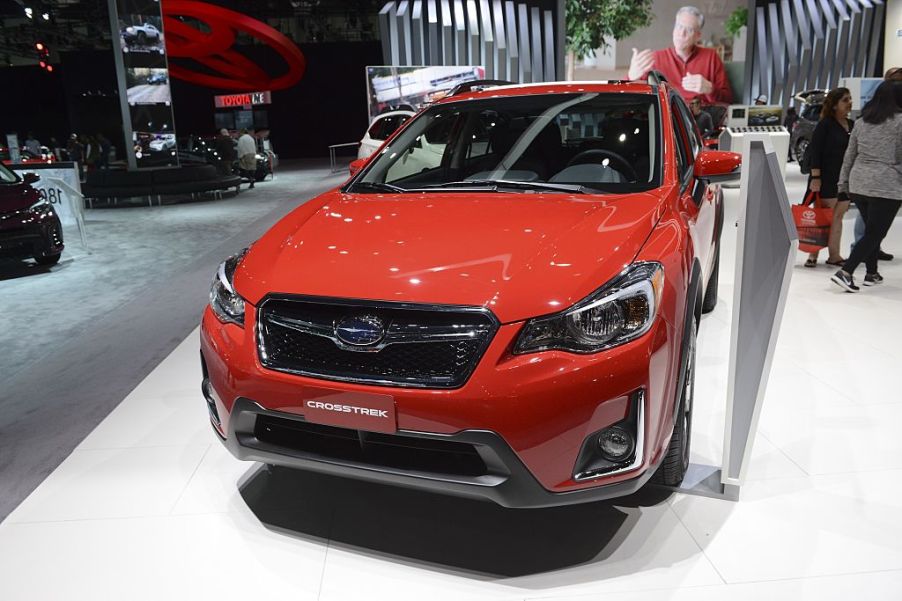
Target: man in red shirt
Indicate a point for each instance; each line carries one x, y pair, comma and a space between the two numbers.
690, 68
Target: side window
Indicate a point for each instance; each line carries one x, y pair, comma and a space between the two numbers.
479, 144
682, 156
695, 143
392, 124
811, 112
375, 129
419, 157
386, 126
439, 132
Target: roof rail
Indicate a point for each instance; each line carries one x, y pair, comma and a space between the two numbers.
477, 84
655, 78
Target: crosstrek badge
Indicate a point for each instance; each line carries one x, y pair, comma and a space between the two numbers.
356, 410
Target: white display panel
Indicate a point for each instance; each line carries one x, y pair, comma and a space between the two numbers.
390, 87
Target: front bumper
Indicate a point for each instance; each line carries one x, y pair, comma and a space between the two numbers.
524, 417
506, 480
28, 234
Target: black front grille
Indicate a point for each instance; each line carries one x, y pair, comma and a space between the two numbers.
423, 347
409, 453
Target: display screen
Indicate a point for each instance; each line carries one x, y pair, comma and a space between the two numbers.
765, 115
142, 46
153, 136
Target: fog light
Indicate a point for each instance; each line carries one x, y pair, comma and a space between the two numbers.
616, 444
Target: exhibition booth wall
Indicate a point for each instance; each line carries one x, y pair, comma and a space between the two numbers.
328, 106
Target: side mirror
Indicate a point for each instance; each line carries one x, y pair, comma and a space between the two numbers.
356, 166
718, 166
31, 178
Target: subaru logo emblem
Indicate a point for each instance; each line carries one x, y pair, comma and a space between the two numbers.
360, 330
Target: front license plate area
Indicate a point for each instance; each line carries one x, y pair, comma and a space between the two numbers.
355, 410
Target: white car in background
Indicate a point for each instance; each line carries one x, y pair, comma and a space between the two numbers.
380, 129
163, 142
141, 33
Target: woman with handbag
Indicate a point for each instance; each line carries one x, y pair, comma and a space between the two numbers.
827, 149
872, 175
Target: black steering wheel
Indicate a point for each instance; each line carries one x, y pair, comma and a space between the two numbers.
597, 155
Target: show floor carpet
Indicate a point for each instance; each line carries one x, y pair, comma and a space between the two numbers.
79, 336
150, 505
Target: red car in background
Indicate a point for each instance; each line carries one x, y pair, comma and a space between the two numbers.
511, 315
26, 157
29, 227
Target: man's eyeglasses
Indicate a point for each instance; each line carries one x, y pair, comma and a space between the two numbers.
684, 29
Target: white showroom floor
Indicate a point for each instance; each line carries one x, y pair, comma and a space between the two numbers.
150, 505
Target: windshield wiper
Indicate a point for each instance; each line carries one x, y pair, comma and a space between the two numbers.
379, 186
506, 183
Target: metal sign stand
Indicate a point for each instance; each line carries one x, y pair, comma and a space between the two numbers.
765, 249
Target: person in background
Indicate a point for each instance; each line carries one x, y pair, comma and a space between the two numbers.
702, 118
224, 146
103, 145
77, 154
761, 100
789, 122
872, 175
32, 145
55, 149
892, 74
247, 156
90, 151
692, 69
828, 147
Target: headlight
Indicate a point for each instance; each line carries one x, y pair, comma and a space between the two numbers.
225, 302
620, 311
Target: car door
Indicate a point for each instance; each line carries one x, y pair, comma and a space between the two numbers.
696, 199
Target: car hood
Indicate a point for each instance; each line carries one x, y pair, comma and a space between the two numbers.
15, 197
519, 254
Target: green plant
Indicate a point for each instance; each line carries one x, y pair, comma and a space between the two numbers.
736, 21
590, 23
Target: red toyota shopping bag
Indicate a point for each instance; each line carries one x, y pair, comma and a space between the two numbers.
813, 221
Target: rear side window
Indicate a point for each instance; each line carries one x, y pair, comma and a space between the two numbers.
811, 112
386, 126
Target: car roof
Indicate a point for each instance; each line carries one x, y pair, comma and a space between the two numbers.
554, 87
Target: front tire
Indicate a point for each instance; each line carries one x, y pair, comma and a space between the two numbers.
676, 461
48, 260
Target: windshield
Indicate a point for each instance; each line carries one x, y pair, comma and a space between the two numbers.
595, 142
7, 176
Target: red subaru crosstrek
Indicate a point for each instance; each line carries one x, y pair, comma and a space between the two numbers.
502, 303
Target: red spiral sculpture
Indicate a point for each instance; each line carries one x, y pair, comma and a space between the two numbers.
230, 69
